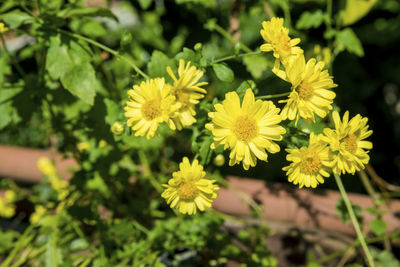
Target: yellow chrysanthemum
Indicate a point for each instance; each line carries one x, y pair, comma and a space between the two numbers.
309, 164
189, 190
3, 28
38, 214
46, 166
7, 207
310, 90
187, 91
278, 40
150, 104
248, 129
347, 143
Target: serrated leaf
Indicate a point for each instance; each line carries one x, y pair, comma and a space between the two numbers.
347, 39
8, 114
16, 18
343, 213
310, 19
58, 60
378, 226
256, 64
223, 72
355, 10
88, 11
158, 64
81, 82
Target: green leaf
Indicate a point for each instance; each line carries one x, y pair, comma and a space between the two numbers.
205, 150
347, 39
98, 184
344, 214
355, 10
16, 18
256, 65
89, 11
145, 4
58, 60
81, 82
241, 90
378, 226
223, 72
158, 64
6, 241
93, 28
205, 3
310, 19
5, 67
189, 55
113, 111
8, 114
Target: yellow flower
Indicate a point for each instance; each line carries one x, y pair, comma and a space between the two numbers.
310, 90
3, 28
309, 164
150, 104
46, 166
278, 40
38, 214
7, 207
83, 146
347, 143
248, 129
189, 190
187, 91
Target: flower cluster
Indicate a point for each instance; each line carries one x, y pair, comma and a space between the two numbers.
46, 166
250, 128
154, 101
340, 150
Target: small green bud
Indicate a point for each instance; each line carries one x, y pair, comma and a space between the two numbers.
198, 46
117, 128
219, 160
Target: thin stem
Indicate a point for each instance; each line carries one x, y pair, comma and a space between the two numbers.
357, 243
354, 220
375, 196
227, 35
272, 96
148, 174
329, 12
13, 60
235, 56
105, 48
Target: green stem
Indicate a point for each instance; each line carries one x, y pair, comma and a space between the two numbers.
272, 96
13, 60
329, 12
234, 56
105, 48
354, 220
356, 244
148, 174
227, 35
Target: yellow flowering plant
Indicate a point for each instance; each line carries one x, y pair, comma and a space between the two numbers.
153, 104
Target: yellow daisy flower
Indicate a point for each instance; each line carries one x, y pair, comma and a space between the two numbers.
7, 207
310, 90
347, 143
248, 129
187, 91
150, 104
189, 190
278, 40
309, 164
3, 28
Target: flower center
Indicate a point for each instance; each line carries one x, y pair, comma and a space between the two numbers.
350, 143
305, 90
310, 165
187, 190
245, 128
151, 109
